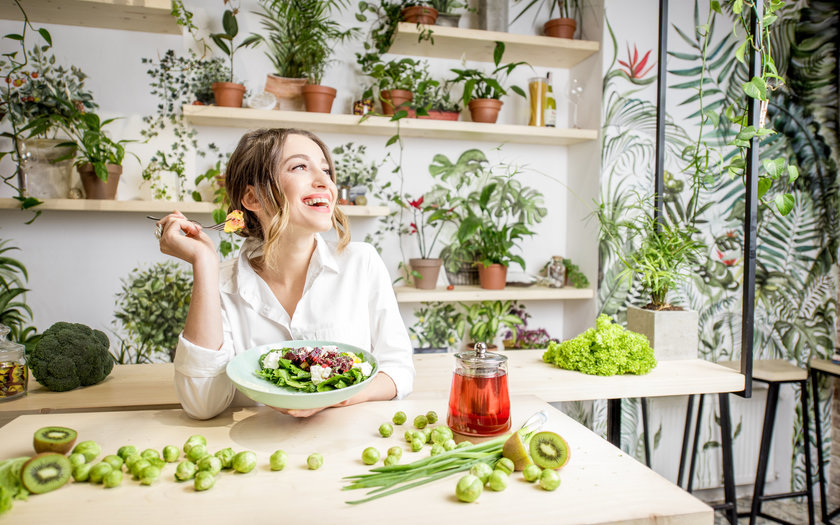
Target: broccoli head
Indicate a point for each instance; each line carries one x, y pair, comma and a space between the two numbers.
606, 350
70, 355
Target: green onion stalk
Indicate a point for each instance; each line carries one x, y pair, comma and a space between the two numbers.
389, 480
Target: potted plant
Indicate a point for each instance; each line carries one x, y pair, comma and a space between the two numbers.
436, 328
396, 81
486, 319
483, 91
433, 101
427, 219
446, 11
230, 93
419, 12
300, 39
657, 255
353, 172
520, 337
562, 27
474, 191
35, 92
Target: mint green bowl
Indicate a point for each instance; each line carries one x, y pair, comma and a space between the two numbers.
242, 371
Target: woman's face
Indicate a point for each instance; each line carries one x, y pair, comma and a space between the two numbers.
306, 181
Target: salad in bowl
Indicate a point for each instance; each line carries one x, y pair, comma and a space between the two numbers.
302, 374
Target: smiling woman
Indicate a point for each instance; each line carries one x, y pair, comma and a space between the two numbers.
288, 282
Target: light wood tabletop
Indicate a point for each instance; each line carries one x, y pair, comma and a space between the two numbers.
528, 374
600, 484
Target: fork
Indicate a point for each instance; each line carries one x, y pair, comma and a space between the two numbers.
217, 227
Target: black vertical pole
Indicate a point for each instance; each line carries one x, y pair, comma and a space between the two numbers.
661, 87
750, 217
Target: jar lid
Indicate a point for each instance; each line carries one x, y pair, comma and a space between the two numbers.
9, 350
480, 361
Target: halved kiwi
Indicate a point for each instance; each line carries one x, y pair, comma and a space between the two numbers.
549, 450
514, 449
54, 439
45, 472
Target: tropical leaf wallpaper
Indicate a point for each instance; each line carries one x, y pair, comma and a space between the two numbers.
795, 311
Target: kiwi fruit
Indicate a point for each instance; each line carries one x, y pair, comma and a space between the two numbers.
45, 472
549, 450
514, 449
54, 439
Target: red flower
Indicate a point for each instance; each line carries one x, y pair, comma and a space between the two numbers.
636, 67
413, 227
416, 203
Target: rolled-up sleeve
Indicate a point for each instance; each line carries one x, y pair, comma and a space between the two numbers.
389, 339
201, 383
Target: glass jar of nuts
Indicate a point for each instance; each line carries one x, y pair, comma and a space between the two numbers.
13, 373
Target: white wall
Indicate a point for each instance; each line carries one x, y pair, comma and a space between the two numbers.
76, 259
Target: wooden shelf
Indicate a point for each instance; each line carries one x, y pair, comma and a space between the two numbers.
409, 294
160, 206
475, 44
383, 126
152, 16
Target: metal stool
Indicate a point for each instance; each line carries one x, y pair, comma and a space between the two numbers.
729, 506
776, 372
816, 367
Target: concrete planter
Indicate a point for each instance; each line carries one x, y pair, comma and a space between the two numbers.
672, 333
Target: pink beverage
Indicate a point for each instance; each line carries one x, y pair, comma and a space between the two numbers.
479, 406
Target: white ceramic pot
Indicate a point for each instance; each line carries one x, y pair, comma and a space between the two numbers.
672, 333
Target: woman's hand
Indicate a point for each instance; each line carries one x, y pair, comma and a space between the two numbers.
382, 388
193, 246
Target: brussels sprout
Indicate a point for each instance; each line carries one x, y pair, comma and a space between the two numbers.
150, 453
437, 448
450, 444
314, 461
113, 479
395, 451
226, 456
385, 429
505, 465
149, 475
131, 460
196, 452
171, 453
244, 461
126, 450
482, 471
469, 488
98, 471
431, 417
278, 460
391, 460
115, 461
549, 479
420, 421
399, 418
76, 459
204, 480
81, 473
440, 434
498, 480
462, 444
185, 470
531, 473
90, 449
138, 466
370, 456
211, 464
416, 444
194, 440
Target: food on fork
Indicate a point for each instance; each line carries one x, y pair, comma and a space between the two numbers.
234, 221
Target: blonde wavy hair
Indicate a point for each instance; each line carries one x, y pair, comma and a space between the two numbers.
256, 162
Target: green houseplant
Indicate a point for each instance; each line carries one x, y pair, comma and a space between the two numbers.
486, 319
433, 100
353, 172
300, 39
151, 309
14, 312
396, 81
436, 328
230, 93
483, 91
562, 27
446, 11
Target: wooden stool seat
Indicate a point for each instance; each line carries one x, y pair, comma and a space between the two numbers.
824, 365
772, 370
830, 368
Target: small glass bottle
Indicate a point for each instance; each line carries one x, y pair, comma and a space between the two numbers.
13, 373
550, 113
537, 91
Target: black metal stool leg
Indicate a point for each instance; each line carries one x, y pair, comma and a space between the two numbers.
614, 421
726, 454
688, 410
646, 430
818, 430
693, 462
806, 434
764, 449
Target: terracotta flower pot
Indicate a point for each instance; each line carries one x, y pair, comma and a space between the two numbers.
428, 270
228, 94
492, 277
318, 99
289, 92
419, 14
440, 115
96, 188
560, 27
485, 109
392, 98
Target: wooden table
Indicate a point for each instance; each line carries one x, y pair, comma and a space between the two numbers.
816, 367
127, 387
600, 484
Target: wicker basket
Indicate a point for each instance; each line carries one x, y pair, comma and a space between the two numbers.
467, 274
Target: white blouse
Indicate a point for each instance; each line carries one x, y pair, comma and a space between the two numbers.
347, 297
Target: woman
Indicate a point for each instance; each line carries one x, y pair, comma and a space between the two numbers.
288, 282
